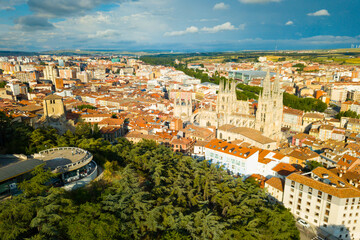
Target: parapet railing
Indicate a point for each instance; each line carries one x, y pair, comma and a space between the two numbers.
74, 150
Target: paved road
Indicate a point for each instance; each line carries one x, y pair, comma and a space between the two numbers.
305, 233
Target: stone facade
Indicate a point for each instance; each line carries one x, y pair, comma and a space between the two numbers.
229, 110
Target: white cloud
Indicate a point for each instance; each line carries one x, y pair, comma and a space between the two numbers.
10, 4
191, 29
222, 27
258, 1
208, 19
242, 26
221, 6
288, 23
108, 33
135, 21
320, 40
322, 12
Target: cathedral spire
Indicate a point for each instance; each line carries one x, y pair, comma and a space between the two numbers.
221, 86
233, 86
277, 83
267, 84
227, 87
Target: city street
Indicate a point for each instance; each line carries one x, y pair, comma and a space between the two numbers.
306, 233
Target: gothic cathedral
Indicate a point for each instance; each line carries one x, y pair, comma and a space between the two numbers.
229, 110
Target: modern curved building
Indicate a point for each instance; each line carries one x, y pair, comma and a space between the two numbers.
75, 168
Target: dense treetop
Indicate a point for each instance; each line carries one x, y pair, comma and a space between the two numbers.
347, 113
147, 192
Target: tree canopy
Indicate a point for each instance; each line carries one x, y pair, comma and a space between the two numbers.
347, 113
85, 106
147, 192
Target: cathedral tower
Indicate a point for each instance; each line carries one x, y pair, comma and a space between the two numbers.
54, 106
270, 109
183, 108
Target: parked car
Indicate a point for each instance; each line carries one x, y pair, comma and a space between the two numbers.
303, 223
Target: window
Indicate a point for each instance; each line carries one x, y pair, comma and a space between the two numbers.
291, 196
327, 212
315, 221
307, 210
310, 190
356, 214
290, 202
308, 203
345, 208
298, 207
328, 205
344, 215
299, 201
300, 194
319, 200
306, 217
309, 196
318, 207
292, 184
329, 197
355, 221
316, 214
350, 215
319, 194
301, 187
326, 219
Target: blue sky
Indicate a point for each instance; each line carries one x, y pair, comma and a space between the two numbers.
178, 25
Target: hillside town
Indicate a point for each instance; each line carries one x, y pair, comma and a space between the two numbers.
309, 161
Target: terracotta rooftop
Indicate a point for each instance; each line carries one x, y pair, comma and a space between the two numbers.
276, 183
348, 191
247, 132
284, 169
52, 97
313, 115
232, 149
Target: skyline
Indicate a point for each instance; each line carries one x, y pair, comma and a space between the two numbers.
180, 26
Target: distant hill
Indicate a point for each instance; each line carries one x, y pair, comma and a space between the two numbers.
17, 53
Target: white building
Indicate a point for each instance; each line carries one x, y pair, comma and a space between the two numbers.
242, 160
324, 200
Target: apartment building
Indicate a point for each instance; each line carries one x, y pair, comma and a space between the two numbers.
238, 160
242, 160
326, 201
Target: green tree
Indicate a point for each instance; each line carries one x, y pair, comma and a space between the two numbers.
347, 113
85, 106
14, 136
2, 84
15, 217
311, 165
38, 184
